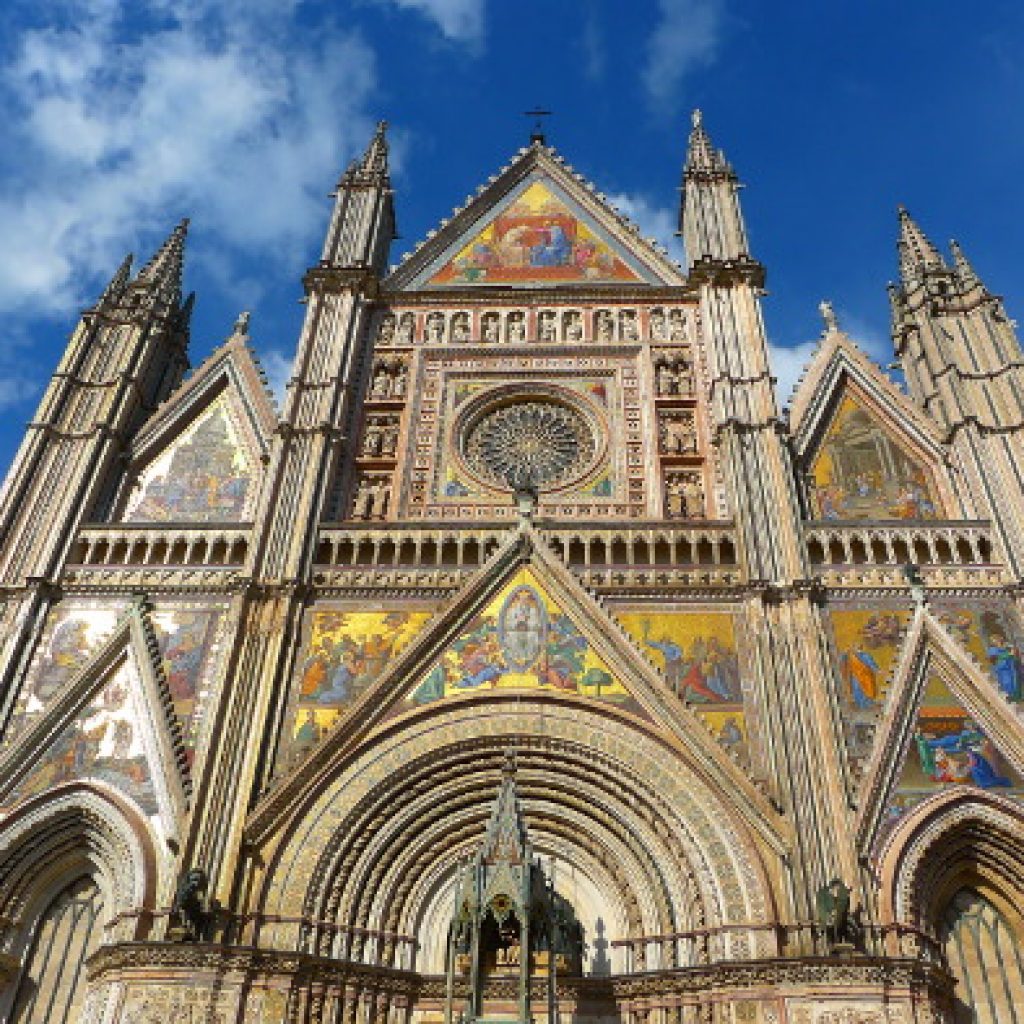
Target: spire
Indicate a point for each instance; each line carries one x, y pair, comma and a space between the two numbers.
164, 271
372, 167
506, 838
701, 155
917, 254
964, 271
118, 282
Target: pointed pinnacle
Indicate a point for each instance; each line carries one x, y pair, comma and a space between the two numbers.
373, 165
964, 271
164, 270
701, 155
917, 254
115, 289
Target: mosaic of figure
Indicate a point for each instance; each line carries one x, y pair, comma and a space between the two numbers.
696, 653
537, 238
203, 477
74, 633
103, 743
860, 472
521, 640
347, 651
949, 747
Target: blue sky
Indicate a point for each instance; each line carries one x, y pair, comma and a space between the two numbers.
121, 116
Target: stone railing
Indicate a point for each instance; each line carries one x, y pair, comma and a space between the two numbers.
408, 546
929, 543
161, 545
640, 546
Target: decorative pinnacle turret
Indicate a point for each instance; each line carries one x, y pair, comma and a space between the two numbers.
964, 271
163, 273
701, 155
917, 254
372, 167
118, 282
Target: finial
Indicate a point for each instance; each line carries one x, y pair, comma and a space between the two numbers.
537, 135
508, 767
828, 314
916, 583
242, 324
697, 117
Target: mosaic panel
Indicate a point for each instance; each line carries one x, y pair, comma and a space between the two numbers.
522, 640
104, 742
346, 652
696, 653
860, 472
539, 238
204, 476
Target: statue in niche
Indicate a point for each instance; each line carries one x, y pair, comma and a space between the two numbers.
405, 328
548, 326
658, 327
491, 327
381, 381
399, 380
379, 495
361, 505
677, 325
678, 434
832, 905
573, 327
665, 379
435, 328
693, 491
389, 438
516, 327
604, 325
627, 325
386, 331
372, 438
684, 495
460, 327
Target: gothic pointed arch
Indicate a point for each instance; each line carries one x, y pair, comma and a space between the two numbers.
945, 726
112, 721
200, 457
79, 866
864, 449
537, 223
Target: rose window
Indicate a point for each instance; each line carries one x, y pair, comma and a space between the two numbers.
529, 445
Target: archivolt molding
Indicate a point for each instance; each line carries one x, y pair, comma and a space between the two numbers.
590, 782
959, 836
81, 828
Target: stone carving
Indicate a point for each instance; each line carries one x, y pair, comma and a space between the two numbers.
435, 328
491, 327
405, 329
677, 433
190, 912
547, 326
386, 330
380, 436
516, 327
529, 444
371, 498
604, 326
389, 378
673, 373
628, 330
658, 325
832, 906
460, 327
572, 326
684, 495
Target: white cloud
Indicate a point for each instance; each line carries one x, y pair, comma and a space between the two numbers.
654, 221
205, 112
686, 37
459, 20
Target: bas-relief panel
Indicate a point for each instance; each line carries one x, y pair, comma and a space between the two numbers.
203, 476
860, 472
696, 652
104, 742
346, 651
522, 640
537, 239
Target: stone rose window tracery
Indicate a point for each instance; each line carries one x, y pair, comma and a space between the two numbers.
534, 444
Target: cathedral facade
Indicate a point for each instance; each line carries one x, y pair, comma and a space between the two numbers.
530, 664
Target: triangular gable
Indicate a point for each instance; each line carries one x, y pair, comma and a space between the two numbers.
946, 724
867, 452
200, 458
488, 589
537, 224
112, 722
